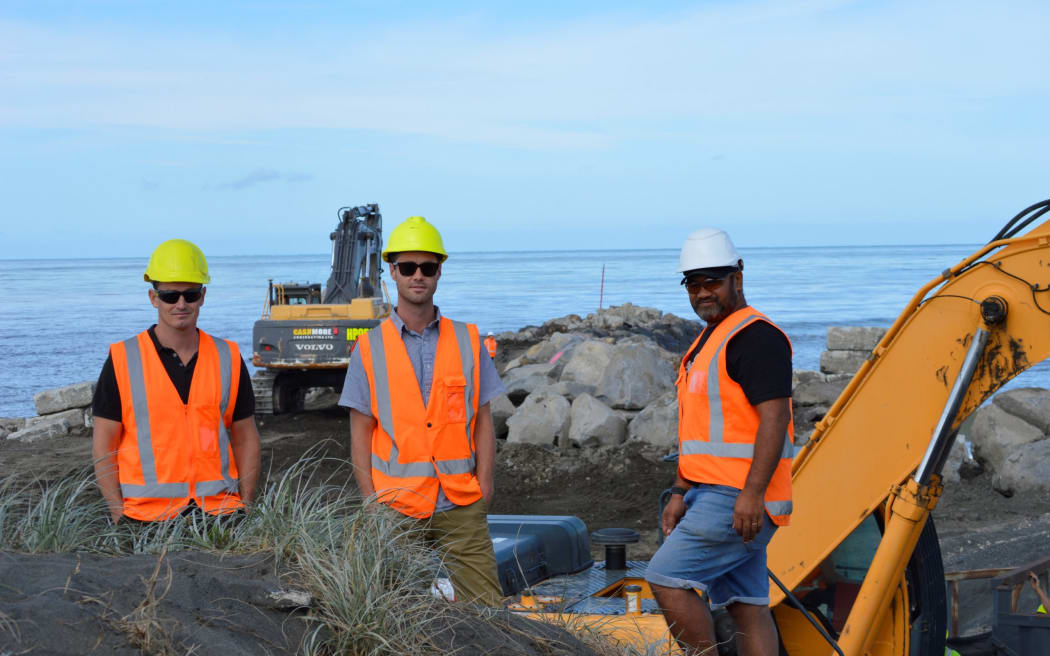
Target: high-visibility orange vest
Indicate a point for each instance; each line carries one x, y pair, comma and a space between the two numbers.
418, 449
717, 424
490, 344
171, 453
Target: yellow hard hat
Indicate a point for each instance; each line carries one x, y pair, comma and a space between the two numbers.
415, 234
177, 260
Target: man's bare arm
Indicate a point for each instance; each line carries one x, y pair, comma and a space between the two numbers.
485, 443
247, 454
773, 418
361, 427
105, 439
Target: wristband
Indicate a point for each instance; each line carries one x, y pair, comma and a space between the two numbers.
678, 490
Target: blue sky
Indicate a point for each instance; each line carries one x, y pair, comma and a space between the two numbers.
245, 125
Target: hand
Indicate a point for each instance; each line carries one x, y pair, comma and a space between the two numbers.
488, 490
673, 512
1033, 579
748, 514
116, 511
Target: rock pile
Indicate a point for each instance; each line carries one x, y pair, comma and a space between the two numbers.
1011, 440
60, 412
594, 381
813, 392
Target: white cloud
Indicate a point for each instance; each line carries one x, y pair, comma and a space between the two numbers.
773, 66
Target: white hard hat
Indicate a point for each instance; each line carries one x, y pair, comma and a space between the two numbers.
490, 333
707, 248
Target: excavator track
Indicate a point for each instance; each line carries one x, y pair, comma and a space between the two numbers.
262, 385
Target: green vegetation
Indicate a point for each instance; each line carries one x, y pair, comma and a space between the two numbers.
368, 576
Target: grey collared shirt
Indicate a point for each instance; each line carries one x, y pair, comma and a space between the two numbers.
422, 350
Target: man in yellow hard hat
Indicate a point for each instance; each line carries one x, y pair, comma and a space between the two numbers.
174, 408
421, 435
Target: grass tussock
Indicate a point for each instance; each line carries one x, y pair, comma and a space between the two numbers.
367, 571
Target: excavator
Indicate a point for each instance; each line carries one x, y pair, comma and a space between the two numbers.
306, 335
858, 572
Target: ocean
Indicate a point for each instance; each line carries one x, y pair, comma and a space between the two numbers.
58, 316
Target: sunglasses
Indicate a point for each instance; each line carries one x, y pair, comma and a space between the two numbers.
171, 296
703, 282
429, 269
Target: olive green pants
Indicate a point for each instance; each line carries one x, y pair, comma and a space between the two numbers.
461, 536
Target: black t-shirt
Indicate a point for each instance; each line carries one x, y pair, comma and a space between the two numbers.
106, 403
758, 358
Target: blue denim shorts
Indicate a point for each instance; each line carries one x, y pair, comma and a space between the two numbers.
705, 553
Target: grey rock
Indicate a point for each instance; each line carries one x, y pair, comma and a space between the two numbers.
12, 424
592, 423
76, 418
319, 398
1032, 404
1025, 470
502, 409
49, 428
820, 391
657, 424
842, 362
854, 338
802, 376
522, 380
805, 421
56, 400
996, 435
540, 420
634, 377
588, 363
570, 390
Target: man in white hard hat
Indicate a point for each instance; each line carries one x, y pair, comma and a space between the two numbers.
733, 485
490, 345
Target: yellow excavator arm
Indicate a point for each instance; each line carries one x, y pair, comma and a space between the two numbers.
876, 455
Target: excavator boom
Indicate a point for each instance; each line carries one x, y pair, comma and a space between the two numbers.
992, 309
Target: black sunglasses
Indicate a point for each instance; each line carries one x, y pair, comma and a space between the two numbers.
429, 269
695, 283
171, 296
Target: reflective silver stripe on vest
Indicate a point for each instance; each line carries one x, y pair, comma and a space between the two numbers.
716, 423
384, 407
466, 360
695, 447
225, 381
776, 508
151, 488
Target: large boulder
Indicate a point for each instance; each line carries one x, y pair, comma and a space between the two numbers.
541, 420
1030, 404
76, 419
522, 380
815, 388
854, 338
657, 424
588, 362
56, 400
842, 362
635, 377
997, 434
593, 423
502, 410
47, 428
1025, 470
